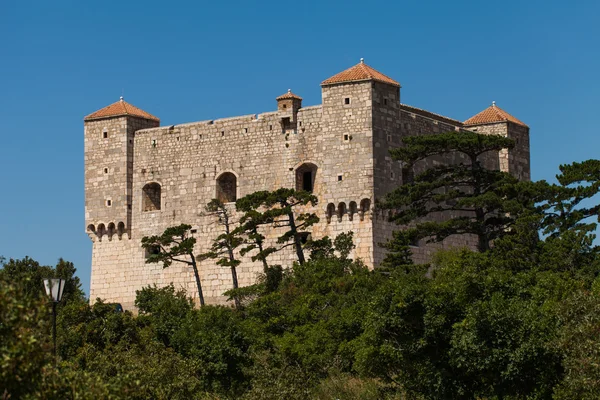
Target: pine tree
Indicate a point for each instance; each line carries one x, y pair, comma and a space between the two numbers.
174, 245
465, 197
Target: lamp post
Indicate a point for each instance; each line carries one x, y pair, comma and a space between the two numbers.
54, 289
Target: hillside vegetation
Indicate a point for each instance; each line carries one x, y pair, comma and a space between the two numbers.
517, 319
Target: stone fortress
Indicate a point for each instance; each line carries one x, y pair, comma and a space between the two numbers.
141, 178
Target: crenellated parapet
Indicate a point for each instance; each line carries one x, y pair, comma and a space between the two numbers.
342, 210
108, 231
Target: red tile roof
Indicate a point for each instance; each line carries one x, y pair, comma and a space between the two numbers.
360, 72
492, 114
289, 95
429, 114
120, 108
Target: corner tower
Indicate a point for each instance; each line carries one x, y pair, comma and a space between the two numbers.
360, 112
366, 95
495, 121
109, 134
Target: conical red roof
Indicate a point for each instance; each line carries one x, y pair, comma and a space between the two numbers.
289, 95
120, 108
360, 72
492, 114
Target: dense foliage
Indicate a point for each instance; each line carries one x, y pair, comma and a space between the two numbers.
519, 320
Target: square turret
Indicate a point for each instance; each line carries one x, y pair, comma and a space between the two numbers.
109, 135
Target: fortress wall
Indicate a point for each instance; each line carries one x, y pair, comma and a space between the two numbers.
422, 252
343, 144
415, 123
108, 163
187, 159
519, 157
516, 160
123, 271
105, 171
347, 136
386, 135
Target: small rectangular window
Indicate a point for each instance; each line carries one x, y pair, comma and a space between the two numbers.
245, 130
105, 135
346, 137
347, 100
340, 178
385, 102
108, 203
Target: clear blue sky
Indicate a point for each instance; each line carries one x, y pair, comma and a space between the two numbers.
196, 60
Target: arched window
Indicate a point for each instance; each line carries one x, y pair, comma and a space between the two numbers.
408, 175
91, 228
227, 188
353, 209
330, 211
111, 230
341, 211
365, 205
305, 177
151, 197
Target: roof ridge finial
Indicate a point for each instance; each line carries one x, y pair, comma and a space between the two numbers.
121, 98
493, 104
362, 60
289, 90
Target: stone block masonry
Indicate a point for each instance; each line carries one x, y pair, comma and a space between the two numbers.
141, 178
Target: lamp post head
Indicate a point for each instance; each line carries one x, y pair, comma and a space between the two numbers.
54, 288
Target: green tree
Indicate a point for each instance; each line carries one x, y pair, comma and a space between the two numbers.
214, 339
24, 347
164, 308
250, 224
568, 207
31, 276
281, 207
398, 249
119, 356
174, 245
473, 330
224, 245
309, 325
470, 198
580, 345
